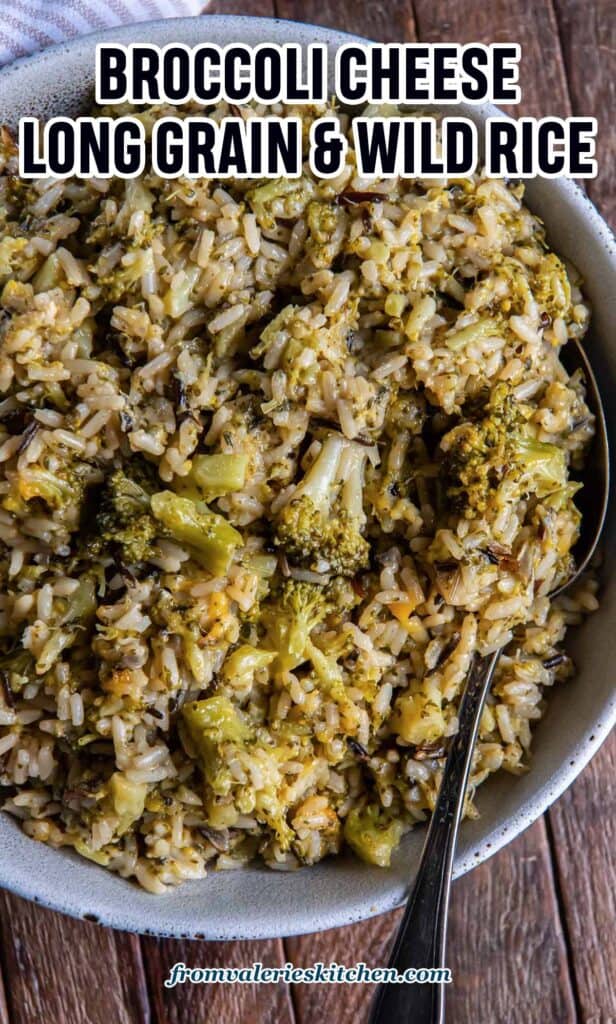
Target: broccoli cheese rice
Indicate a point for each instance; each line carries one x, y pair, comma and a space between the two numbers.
276, 459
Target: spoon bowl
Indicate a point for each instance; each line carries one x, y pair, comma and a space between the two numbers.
592, 499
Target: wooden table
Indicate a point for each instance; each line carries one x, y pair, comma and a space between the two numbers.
533, 930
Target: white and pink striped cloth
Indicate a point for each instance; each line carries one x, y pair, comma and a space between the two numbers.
30, 25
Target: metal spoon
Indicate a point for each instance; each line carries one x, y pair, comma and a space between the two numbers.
421, 938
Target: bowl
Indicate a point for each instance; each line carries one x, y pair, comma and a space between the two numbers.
257, 902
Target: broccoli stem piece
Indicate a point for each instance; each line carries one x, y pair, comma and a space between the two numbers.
38, 482
127, 799
210, 537
321, 476
543, 465
372, 835
241, 666
81, 604
216, 718
353, 487
216, 475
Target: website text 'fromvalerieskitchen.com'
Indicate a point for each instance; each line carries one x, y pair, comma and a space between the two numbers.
317, 973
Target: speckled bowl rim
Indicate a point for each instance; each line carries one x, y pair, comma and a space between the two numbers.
285, 904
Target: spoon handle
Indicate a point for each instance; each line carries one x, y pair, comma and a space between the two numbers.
421, 939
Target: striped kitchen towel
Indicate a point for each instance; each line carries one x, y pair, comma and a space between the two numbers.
30, 25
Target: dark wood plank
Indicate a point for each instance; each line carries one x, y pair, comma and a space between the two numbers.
368, 942
385, 21
135, 987
218, 1003
72, 972
506, 947
583, 833
588, 37
260, 8
506, 944
528, 22
4, 1013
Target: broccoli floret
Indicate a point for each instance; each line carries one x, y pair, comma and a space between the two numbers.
125, 278
211, 539
210, 723
493, 445
320, 525
220, 732
477, 452
552, 287
137, 538
13, 262
142, 474
124, 518
56, 489
127, 495
291, 619
289, 623
280, 197
62, 489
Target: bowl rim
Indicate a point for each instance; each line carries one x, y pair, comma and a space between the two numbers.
17, 878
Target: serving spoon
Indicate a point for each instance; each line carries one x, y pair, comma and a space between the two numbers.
421, 938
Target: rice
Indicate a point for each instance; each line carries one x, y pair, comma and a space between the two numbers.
163, 714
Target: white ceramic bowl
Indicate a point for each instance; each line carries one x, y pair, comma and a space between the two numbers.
257, 902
